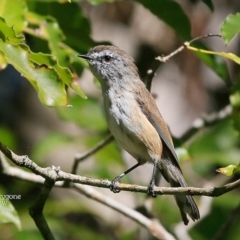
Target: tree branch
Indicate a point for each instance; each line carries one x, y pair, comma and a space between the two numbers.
36, 211
185, 44
154, 227
162, 59
24, 161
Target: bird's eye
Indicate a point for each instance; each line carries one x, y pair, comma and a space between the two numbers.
107, 58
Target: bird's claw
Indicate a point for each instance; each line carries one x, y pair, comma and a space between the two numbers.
113, 186
150, 191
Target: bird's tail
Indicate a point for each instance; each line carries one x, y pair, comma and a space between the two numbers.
172, 173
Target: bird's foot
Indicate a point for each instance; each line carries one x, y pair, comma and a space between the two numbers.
113, 186
150, 190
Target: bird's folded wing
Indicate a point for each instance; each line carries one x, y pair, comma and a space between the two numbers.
150, 110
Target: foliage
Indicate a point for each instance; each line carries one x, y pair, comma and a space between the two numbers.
49, 74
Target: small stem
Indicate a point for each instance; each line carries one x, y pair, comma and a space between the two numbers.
81, 157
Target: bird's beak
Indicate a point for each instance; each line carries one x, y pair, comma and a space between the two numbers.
84, 56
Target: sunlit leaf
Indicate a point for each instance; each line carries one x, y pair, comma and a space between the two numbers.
49, 86
13, 12
230, 27
42, 70
229, 56
8, 34
212, 60
3, 62
49, 29
8, 213
235, 94
229, 170
78, 32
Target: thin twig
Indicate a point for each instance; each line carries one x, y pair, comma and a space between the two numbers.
79, 158
162, 59
185, 44
151, 74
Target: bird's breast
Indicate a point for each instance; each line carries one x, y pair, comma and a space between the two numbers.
130, 127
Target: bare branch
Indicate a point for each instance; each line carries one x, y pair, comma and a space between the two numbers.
155, 228
24, 161
162, 59
52, 177
36, 211
185, 44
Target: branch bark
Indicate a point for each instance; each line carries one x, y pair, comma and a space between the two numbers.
25, 161
153, 226
36, 211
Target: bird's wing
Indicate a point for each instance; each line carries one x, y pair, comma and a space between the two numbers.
150, 110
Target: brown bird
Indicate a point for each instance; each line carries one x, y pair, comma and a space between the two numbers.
136, 123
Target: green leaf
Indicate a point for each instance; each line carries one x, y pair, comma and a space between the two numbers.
172, 14
46, 81
48, 29
8, 213
230, 27
229, 170
42, 70
229, 56
13, 12
209, 4
77, 34
3, 62
63, 73
212, 60
8, 34
8, 138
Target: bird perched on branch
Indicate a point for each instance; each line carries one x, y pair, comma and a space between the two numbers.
136, 123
